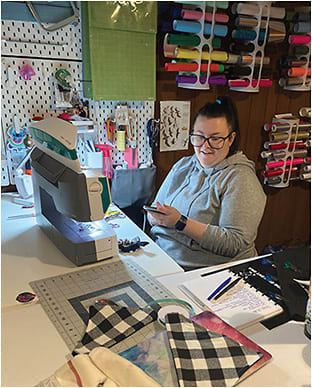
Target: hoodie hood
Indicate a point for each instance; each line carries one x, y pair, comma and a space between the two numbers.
237, 159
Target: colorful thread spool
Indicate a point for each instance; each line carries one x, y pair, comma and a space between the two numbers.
299, 39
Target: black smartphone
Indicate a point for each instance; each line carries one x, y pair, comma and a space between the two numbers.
152, 209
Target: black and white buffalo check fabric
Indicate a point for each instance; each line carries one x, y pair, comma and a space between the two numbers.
203, 358
111, 324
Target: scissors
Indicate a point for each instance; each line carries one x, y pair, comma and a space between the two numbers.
153, 128
110, 128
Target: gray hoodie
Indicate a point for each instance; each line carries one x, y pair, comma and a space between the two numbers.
228, 198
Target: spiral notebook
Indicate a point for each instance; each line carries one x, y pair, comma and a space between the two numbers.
242, 306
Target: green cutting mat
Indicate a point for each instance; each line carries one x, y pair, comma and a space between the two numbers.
119, 50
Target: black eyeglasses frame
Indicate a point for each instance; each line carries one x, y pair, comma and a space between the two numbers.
208, 139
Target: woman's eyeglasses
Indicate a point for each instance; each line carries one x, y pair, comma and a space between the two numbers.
215, 142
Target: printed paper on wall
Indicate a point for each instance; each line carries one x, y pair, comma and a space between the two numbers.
175, 116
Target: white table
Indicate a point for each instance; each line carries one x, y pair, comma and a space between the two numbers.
31, 347
291, 349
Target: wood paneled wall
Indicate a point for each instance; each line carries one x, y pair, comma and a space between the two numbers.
287, 217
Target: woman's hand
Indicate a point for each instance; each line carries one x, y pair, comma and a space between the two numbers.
169, 218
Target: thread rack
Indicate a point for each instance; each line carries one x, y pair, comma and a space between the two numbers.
287, 152
201, 28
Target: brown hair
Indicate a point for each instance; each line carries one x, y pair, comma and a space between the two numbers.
223, 107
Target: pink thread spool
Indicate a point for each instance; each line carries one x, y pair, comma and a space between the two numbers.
299, 39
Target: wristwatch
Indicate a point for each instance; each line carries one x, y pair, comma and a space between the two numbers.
181, 224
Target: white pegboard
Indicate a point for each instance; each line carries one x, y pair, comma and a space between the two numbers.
4, 173
47, 52
27, 39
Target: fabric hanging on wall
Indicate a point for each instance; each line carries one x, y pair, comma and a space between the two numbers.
119, 50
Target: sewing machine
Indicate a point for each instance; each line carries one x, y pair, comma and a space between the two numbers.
70, 203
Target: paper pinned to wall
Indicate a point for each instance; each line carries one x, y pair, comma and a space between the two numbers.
175, 116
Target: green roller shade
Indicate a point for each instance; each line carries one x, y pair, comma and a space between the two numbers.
119, 50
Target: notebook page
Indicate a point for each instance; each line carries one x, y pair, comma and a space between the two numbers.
241, 306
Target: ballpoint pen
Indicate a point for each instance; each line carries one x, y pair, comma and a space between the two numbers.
226, 289
219, 288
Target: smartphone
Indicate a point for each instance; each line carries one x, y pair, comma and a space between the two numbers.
152, 209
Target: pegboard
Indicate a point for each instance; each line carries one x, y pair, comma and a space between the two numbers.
26, 43
27, 39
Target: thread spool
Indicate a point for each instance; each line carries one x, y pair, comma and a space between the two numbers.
188, 40
183, 40
282, 127
307, 168
299, 50
247, 59
305, 112
254, 10
196, 15
299, 39
268, 126
278, 171
191, 67
213, 80
302, 16
300, 153
238, 83
284, 136
299, 71
195, 27
281, 163
301, 62
218, 56
291, 82
282, 154
302, 27
282, 146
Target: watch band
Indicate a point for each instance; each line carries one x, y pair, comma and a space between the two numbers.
181, 224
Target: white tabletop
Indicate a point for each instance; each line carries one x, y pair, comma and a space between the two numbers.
28, 254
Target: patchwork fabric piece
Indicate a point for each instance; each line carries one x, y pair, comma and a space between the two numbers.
111, 324
203, 358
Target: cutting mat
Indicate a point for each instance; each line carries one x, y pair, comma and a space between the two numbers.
66, 298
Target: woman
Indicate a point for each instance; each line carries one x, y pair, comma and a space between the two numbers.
212, 202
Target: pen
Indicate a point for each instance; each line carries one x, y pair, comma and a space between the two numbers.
219, 288
231, 285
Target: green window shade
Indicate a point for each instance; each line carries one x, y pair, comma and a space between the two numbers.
119, 51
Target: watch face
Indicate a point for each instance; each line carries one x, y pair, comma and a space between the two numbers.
180, 225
